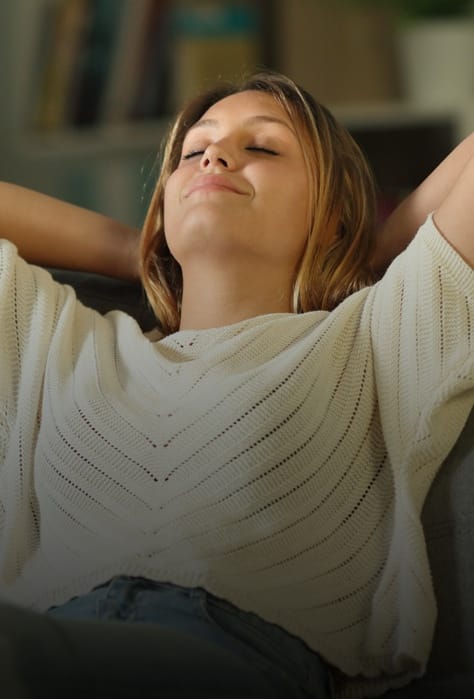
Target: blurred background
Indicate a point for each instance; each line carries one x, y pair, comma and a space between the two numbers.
90, 87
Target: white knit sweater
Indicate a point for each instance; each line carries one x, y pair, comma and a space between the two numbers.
281, 462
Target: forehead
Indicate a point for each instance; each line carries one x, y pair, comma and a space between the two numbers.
246, 105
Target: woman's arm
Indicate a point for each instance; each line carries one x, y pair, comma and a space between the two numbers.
53, 233
454, 217
433, 194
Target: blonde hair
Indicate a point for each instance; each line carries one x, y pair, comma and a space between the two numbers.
341, 216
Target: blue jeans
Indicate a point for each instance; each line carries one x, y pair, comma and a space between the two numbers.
190, 644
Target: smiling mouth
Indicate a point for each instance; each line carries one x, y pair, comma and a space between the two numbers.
212, 188
212, 183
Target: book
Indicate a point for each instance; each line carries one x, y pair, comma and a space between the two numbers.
23, 47
150, 100
94, 60
125, 65
212, 41
61, 33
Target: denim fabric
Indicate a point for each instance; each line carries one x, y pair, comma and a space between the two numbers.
276, 663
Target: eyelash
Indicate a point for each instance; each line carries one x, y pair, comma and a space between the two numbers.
268, 151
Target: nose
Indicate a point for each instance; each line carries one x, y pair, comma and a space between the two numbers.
214, 155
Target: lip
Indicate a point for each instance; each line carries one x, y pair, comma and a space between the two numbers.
213, 183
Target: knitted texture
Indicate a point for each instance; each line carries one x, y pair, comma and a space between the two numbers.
281, 462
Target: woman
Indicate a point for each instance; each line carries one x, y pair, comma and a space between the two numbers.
259, 465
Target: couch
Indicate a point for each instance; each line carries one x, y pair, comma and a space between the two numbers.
448, 520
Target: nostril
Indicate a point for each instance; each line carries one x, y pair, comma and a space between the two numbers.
208, 160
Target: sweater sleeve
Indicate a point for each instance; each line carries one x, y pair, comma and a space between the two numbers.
30, 308
422, 321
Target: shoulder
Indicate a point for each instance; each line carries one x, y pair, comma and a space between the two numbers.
455, 214
443, 251
8, 254
429, 262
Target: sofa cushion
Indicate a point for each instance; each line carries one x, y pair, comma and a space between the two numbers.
108, 294
448, 522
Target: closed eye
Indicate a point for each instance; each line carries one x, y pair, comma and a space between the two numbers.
192, 154
260, 149
269, 151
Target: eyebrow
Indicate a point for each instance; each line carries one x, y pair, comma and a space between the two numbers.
258, 118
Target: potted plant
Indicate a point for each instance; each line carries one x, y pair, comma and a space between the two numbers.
429, 9
436, 51
435, 40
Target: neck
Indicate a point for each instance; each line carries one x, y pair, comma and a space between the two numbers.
212, 300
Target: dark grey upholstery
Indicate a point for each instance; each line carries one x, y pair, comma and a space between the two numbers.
448, 519
107, 294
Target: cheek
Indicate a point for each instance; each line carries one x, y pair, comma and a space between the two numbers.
291, 210
167, 208
170, 208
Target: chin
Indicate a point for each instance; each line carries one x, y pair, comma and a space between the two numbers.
207, 231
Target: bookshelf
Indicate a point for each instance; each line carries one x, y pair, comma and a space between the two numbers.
90, 87
104, 154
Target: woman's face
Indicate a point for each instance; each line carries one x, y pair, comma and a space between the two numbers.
240, 188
